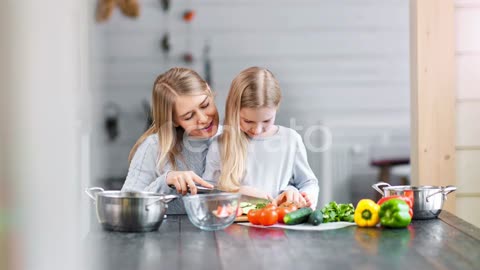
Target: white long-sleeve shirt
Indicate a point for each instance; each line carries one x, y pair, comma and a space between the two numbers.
144, 175
273, 165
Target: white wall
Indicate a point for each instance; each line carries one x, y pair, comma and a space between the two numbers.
468, 109
341, 63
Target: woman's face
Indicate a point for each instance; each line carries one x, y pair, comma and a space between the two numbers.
197, 114
258, 122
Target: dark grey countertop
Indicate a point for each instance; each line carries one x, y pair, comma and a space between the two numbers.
444, 243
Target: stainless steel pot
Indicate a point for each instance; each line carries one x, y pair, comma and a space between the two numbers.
129, 211
427, 200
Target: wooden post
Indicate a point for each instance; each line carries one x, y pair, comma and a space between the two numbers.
432, 45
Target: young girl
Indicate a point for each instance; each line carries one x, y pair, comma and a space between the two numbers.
255, 154
171, 153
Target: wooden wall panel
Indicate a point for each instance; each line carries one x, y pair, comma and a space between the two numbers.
433, 93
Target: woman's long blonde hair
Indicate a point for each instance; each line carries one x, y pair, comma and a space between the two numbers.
254, 87
169, 85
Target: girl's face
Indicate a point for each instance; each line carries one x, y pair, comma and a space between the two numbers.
258, 122
197, 115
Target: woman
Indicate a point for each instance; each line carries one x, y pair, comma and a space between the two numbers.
170, 155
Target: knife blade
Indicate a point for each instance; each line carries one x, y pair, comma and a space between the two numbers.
202, 189
205, 190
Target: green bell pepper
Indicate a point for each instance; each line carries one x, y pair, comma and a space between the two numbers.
394, 214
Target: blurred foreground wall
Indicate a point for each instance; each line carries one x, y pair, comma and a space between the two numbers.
44, 120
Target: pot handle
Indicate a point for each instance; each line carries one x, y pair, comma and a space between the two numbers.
91, 192
164, 198
378, 185
445, 191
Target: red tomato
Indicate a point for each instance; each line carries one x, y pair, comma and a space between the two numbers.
268, 217
254, 216
283, 210
270, 206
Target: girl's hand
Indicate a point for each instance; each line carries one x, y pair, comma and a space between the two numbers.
184, 181
307, 199
294, 196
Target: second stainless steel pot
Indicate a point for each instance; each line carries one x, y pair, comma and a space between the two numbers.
427, 200
129, 211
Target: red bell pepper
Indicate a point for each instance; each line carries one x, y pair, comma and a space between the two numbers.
403, 198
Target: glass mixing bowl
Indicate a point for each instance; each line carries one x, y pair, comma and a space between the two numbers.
211, 212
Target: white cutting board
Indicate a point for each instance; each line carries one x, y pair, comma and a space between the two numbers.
305, 226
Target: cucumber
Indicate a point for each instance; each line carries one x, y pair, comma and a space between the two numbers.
299, 216
316, 217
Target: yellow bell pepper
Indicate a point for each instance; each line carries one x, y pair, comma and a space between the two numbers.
366, 213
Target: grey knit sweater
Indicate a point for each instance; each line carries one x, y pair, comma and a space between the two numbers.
143, 174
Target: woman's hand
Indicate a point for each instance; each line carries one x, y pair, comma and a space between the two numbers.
290, 195
184, 181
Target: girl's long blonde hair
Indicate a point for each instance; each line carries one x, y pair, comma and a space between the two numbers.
254, 87
169, 85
